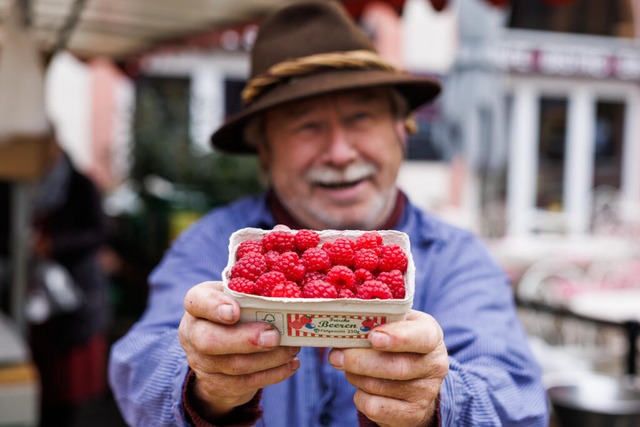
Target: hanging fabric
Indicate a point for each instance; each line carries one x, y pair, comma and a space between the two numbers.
439, 5
22, 104
499, 3
559, 2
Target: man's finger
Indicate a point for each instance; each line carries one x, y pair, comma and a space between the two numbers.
244, 364
216, 339
207, 301
418, 333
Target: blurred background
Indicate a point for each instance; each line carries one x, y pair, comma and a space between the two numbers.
532, 145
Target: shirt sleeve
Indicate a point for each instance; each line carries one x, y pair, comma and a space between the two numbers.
245, 415
493, 377
363, 421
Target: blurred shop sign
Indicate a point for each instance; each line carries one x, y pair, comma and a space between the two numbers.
595, 57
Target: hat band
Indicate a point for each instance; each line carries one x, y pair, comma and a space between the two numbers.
280, 72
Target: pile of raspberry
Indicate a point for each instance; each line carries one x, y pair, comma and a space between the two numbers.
293, 264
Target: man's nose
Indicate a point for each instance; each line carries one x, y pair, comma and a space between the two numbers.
340, 148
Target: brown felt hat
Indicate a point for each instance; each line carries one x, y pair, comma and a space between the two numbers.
308, 49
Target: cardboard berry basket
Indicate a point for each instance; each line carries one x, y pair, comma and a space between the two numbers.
323, 322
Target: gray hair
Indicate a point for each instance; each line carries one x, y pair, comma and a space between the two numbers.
254, 131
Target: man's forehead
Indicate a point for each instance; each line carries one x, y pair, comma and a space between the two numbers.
347, 97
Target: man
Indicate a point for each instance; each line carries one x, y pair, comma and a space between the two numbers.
326, 116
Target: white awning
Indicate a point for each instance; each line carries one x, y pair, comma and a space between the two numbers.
121, 28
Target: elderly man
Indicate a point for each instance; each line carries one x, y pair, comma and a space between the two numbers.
327, 118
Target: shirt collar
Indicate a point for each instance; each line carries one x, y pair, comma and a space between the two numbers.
423, 227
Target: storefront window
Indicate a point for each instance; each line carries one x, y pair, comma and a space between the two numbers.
551, 154
595, 17
429, 142
232, 95
608, 144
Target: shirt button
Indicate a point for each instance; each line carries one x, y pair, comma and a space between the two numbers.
325, 419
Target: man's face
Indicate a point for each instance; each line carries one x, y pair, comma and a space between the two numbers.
333, 159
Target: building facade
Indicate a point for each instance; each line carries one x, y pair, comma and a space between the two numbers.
536, 128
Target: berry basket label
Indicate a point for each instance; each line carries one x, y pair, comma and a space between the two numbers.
331, 326
275, 318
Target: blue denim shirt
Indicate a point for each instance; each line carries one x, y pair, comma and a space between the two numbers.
493, 378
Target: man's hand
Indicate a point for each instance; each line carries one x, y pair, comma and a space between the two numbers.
231, 360
399, 377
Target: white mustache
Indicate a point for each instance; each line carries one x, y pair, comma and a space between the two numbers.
333, 176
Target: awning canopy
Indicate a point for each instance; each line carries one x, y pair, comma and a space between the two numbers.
119, 29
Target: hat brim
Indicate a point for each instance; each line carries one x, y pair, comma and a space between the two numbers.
417, 90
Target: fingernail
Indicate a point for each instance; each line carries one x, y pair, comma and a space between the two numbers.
379, 339
294, 364
225, 312
336, 358
269, 338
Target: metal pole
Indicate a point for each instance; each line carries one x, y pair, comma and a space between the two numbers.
69, 24
633, 332
20, 248
25, 12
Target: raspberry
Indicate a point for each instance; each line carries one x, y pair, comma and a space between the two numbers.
392, 257
341, 252
316, 259
249, 246
242, 285
346, 293
250, 266
326, 246
366, 259
395, 280
280, 241
306, 239
268, 281
374, 289
312, 275
272, 259
342, 277
363, 275
286, 289
295, 264
369, 240
319, 289
289, 263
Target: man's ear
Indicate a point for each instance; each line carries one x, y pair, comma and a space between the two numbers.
264, 155
410, 125
402, 132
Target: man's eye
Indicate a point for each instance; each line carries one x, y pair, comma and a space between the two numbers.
309, 127
359, 118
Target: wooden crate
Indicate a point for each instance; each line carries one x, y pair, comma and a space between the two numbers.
23, 158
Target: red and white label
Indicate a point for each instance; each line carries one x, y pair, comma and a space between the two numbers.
331, 326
